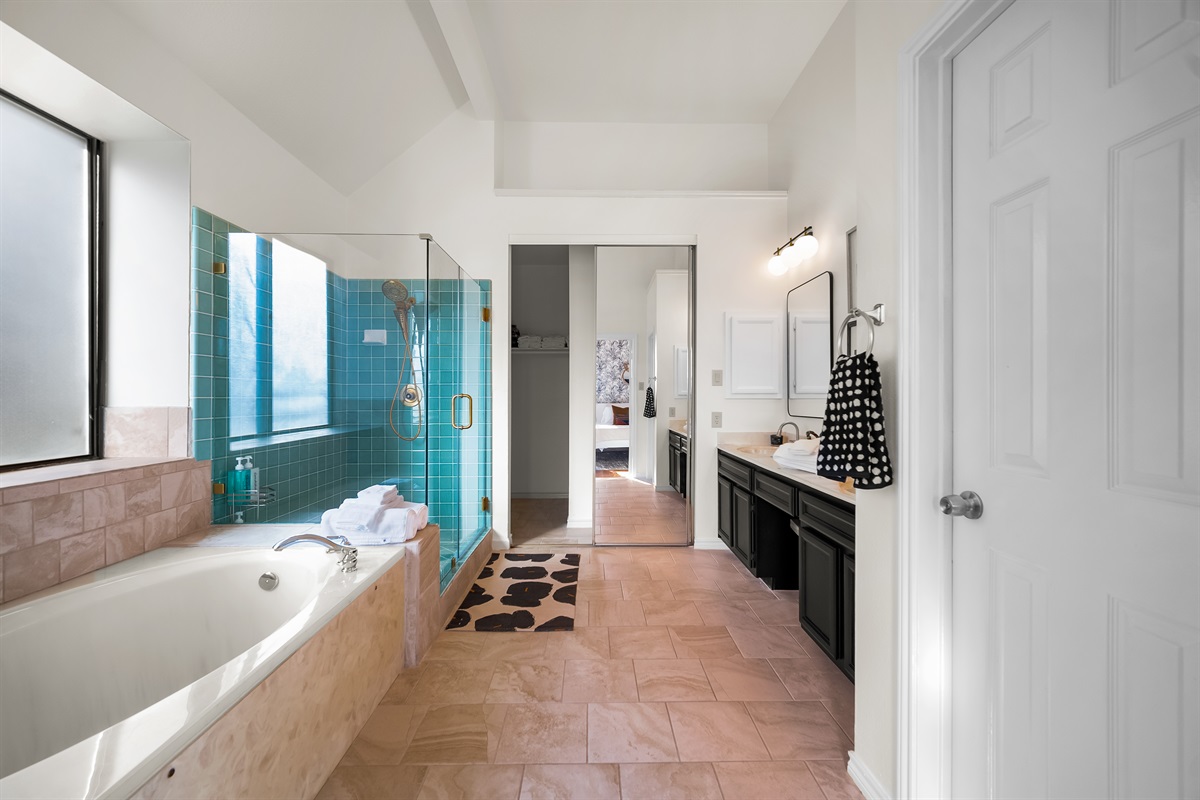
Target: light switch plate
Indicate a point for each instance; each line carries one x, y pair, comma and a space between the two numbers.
718, 378
716, 419
641, 385
671, 412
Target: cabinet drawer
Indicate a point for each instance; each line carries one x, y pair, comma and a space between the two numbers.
837, 517
736, 471
777, 493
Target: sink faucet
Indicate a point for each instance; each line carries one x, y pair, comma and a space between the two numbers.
779, 433
349, 555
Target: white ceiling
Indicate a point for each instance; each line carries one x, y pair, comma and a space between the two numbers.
673, 61
348, 85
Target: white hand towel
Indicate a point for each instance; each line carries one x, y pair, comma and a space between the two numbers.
356, 516
379, 492
396, 525
802, 447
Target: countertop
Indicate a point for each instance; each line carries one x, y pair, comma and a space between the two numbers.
806, 479
678, 425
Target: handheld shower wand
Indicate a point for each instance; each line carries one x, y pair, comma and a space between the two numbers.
409, 394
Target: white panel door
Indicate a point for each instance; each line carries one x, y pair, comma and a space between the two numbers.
1076, 223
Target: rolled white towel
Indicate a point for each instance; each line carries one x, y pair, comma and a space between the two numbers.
396, 525
379, 491
422, 512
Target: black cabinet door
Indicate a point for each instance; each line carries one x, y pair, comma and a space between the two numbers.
819, 590
683, 472
743, 526
725, 510
847, 659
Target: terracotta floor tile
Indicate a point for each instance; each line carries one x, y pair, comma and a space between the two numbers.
454, 681
671, 612
813, 679
775, 611
766, 642
645, 642
626, 572
841, 708
647, 590
701, 595
671, 679
591, 681
672, 572
776, 780
545, 733
514, 646
582, 614
799, 730
584, 643
611, 613
833, 780
455, 646
729, 613
669, 782
386, 735
703, 641
629, 732
740, 587
457, 734
744, 679
471, 782
372, 783
526, 681
707, 731
601, 590
812, 648
569, 781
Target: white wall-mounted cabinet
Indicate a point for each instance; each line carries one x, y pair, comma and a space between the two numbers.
753, 356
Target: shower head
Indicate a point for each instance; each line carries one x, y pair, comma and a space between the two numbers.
395, 291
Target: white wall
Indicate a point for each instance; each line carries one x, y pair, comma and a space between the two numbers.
582, 386
671, 331
627, 156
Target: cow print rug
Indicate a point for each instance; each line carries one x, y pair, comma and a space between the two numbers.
521, 592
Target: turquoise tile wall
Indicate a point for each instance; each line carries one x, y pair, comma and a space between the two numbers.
314, 471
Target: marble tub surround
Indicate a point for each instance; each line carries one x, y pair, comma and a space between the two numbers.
286, 736
153, 431
60, 522
631, 710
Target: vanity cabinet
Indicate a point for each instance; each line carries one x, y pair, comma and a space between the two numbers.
677, 461
793, 536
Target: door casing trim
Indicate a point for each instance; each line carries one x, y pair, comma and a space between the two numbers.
924, 576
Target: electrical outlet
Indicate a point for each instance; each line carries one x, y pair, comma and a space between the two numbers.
641, 386
716, 419
670, 412
718, 377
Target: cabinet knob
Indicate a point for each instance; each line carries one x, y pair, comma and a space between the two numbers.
967, 504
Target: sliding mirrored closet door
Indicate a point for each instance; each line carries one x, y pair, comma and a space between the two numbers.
643, 395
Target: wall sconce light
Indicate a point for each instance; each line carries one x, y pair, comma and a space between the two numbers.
800, 247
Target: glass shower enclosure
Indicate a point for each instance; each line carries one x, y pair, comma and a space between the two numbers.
330, 363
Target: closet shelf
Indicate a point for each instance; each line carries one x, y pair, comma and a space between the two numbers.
537, 351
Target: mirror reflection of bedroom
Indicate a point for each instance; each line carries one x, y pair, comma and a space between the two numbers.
642, 387
599, 395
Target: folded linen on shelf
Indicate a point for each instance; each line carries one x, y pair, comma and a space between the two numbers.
529, 342
379, 491
554, 342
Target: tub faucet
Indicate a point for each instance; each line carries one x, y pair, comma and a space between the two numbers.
777, 438
348, 560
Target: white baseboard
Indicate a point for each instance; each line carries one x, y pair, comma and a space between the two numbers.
865, 780
709, 544
500, 541
579, 522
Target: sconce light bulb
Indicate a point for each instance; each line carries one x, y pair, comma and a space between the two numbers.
806, 247
778, 265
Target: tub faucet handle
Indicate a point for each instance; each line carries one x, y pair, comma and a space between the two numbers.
349, 560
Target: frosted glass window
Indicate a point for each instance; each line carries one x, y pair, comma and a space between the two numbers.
243, 334
300, 348
46, 289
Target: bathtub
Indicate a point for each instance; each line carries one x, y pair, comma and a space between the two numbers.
106, 680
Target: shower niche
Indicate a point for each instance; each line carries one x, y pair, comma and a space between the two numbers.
337, 362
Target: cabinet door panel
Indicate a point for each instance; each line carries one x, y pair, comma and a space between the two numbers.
847, 659
725, 510
819, 590
743, 526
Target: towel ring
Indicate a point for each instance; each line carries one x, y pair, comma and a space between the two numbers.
857, 313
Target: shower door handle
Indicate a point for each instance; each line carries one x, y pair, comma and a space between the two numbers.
454, 411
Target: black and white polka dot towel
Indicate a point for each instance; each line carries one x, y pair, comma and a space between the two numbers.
853, 444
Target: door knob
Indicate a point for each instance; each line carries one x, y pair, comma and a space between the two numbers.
967, 504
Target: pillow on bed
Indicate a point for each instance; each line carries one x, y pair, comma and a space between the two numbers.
604, 414
620, 415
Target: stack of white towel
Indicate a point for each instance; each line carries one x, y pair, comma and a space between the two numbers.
378, 515
554, 342
541, 342
529, 343
800, 455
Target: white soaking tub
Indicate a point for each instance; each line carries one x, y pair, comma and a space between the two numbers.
105, 679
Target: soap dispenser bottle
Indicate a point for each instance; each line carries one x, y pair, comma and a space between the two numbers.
241, 476
252, 484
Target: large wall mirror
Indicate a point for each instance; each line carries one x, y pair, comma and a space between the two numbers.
809, 345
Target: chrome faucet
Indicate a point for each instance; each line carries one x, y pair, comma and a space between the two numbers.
779, 433
348, 560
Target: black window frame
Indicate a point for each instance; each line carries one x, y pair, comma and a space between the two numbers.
96, 273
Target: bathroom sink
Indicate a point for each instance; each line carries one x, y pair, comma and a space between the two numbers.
758, 449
